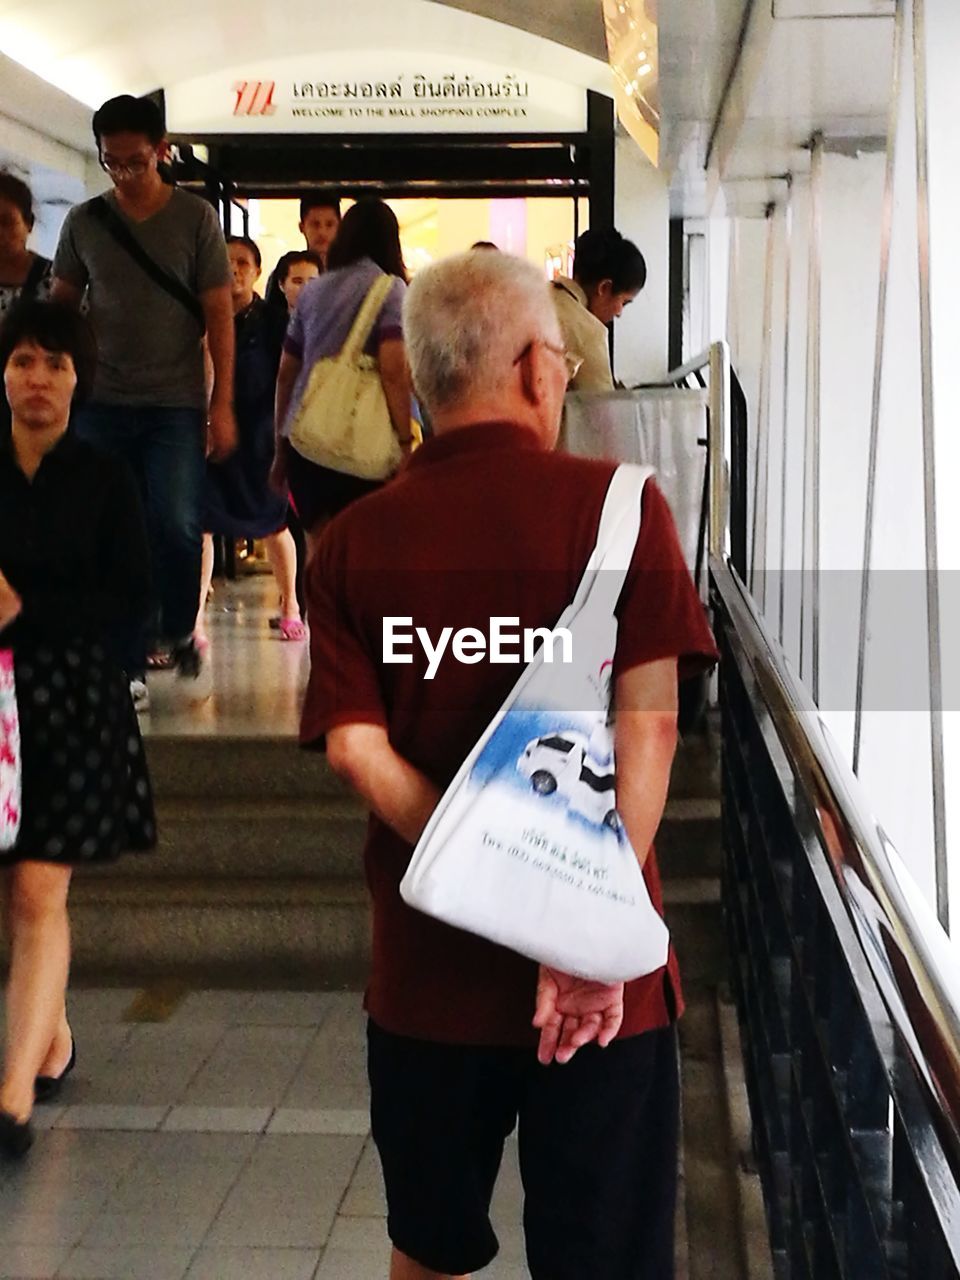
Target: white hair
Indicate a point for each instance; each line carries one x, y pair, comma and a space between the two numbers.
467, 318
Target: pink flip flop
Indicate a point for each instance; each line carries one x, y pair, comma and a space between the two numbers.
292, 629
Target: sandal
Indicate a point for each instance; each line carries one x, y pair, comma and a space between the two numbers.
292, 629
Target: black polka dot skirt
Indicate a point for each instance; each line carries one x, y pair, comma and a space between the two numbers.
86, 791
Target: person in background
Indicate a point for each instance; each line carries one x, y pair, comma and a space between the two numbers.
293, 271
149, 403
608, 273
239, 502
23, 273
467, 1039
367, 246
319, 224
72, 550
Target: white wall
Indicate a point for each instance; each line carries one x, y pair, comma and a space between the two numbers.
852, 203
895, 760
642, 214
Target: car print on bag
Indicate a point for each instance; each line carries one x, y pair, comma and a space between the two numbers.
562, 764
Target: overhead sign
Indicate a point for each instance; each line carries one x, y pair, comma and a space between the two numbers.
367, 92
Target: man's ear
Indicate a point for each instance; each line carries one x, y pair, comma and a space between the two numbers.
605, 289
531, 374
163, 151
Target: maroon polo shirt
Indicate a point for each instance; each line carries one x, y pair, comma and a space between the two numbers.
482, 522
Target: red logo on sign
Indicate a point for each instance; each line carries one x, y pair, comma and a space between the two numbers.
254, 98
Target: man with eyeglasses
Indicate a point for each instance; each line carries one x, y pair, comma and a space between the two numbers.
152, 263
467, 1039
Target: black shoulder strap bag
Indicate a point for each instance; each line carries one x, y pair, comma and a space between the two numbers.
38, 269
124, 237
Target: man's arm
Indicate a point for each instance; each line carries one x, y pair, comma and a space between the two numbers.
218, 313
400, 795
570, 1011
67, 292
645, 741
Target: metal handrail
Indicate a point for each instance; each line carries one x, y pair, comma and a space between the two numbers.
913, 962
716, 359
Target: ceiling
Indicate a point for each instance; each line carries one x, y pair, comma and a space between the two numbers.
698, 49
91, 49
578, 24
745, 85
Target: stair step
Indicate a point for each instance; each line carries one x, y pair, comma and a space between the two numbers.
276, 768
696, 768
267, 768
284, 926
694, 916
242, 838
689, 847
302, 930
709, 1158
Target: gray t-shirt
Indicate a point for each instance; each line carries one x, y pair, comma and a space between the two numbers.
149, 344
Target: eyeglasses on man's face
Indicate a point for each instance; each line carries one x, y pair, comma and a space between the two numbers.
135, 167
571, 359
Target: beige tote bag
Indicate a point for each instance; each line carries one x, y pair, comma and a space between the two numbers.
343, 421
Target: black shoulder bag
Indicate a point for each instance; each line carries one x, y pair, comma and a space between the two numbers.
38, 269
125, 238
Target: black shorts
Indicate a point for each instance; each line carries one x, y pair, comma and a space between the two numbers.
319, 493
597, 1146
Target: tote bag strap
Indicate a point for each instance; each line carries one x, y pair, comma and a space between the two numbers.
617, 532
362, 326
617, 535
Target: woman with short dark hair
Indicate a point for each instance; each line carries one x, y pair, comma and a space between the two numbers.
24, 274
367, 247
72, 550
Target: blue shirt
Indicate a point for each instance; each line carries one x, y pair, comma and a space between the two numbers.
324, 314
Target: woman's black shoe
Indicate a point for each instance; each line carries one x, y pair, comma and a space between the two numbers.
46, 1088
16, 1138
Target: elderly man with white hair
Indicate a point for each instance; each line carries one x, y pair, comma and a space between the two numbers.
467, 1039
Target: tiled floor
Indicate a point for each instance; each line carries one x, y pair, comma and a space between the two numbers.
252, 682
229, 1142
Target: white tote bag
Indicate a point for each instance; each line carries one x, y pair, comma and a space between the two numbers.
526, 847
9, 754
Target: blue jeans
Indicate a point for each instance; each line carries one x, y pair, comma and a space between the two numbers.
165, 449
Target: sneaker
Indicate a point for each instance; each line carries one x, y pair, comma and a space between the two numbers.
140, 695
187, 658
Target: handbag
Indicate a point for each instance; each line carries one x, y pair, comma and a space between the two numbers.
526, 847
10, 783
343, 421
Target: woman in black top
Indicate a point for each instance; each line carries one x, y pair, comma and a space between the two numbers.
23, 274
72, 547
